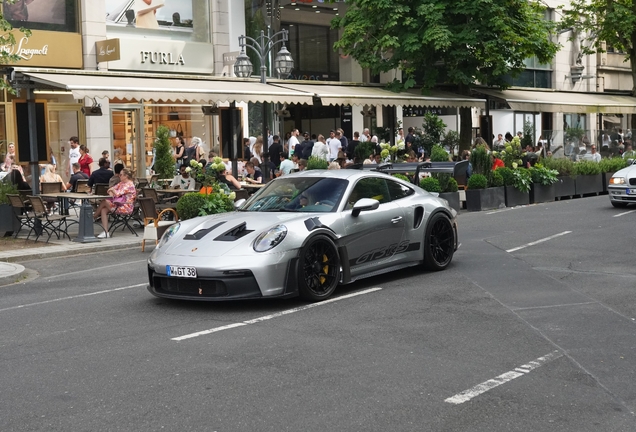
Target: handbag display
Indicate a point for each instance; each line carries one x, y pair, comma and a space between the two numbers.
173, 133
173, 114
179, 130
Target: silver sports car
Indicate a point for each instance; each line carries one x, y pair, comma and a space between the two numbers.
303, 234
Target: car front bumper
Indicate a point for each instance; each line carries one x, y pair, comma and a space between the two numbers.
619, 193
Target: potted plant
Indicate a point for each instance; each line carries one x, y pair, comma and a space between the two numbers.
516, 185
481, 197
450, 191
164, 162
564, 187
430, 184
608, 167
543, 179
588, 177
214, 201
9, 223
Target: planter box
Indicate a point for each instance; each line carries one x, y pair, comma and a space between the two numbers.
515, 197
589, 184
452, 198
540, 193
485, 199
8, 222
564, 187
606, 178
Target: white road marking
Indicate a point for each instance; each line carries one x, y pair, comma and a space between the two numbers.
275, 315
624, 213
71, 297
499, 211
467, 395
538, 241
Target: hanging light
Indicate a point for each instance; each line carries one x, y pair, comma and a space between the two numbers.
243, 66
284, 63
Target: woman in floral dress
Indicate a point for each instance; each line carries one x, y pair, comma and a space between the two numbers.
121, 201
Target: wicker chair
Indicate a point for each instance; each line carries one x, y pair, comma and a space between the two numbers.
154, 224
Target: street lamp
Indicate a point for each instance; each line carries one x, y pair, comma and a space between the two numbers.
283, 65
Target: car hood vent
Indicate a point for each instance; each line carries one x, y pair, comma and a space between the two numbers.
235, 233
202, 232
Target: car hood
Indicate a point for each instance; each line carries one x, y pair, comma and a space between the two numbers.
628, 172
226, 233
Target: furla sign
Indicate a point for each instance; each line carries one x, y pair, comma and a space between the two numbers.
164, 56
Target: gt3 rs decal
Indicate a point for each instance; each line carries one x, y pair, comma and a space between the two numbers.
384, 252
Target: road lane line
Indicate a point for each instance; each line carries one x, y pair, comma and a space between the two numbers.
479, 389
72, 297
624, 213
274, 315
538, 241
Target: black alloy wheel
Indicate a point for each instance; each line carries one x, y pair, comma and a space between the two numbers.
439, 244
319, 269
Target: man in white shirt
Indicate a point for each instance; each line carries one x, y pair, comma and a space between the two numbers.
320, 149
292, 142
363, 137
286, 166
596, 157
334, 145
73, 154
183, 180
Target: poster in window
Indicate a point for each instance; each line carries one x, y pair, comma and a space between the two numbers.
171, 15
55, 15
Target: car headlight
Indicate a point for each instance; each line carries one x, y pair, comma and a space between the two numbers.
168, 234
270, 239
617, 180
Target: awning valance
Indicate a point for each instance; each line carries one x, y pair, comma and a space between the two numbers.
564, 102
333, 94
169, 89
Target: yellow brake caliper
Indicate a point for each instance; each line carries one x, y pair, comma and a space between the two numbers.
325, 269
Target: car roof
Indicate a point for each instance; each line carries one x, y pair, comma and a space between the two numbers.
348, 174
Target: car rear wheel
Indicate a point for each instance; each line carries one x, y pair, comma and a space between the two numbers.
439, 243
319, 271
619, 204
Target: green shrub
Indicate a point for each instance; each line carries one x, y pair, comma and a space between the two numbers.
6, 188
430, 184
438, 154
564, 166
512, 153
496, 179
481, 161
451, 186
314, 163
543, 175
362, 151
521, 179
189, 205
586, 167
506, 175
217, 202
612, 164
477, 181
164, 163
402, 177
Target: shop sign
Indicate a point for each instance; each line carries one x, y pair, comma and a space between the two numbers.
164, 56
107, 50
47, 48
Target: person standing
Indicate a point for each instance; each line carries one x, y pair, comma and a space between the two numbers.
85, 160
320, 148
351, 148
179, 152
334, 146
275, 151
344, 141
73, 154
499, 143
293, 142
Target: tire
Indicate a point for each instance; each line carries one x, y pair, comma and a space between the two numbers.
319, 269
439, 242
619, 204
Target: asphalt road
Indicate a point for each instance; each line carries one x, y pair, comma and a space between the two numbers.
541, 338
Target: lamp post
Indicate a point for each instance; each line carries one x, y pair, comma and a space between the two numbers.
283, 64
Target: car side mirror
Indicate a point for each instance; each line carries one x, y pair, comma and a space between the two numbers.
239, 203
364, 204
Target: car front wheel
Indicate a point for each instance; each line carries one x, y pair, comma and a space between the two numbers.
439, 243
319, 271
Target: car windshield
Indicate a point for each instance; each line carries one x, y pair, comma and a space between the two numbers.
298, 194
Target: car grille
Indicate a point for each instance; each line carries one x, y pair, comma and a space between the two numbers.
632, 181
189, 287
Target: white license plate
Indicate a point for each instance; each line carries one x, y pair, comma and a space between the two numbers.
180, 271
630, 191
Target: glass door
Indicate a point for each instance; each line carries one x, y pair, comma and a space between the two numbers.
127, 139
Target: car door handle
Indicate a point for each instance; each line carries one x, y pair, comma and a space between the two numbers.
396, 219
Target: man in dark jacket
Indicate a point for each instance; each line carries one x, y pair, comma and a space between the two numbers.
101, 175
307, 147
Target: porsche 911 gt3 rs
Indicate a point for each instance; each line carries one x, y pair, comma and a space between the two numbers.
304, 234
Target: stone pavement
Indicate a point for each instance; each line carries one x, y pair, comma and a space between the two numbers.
11, 272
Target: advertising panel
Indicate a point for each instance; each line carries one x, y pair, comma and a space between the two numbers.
47, 49
52, 15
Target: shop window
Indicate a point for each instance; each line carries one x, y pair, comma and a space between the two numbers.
52, 15
311, 47
175, 19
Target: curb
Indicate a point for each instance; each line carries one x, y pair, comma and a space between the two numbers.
10, 273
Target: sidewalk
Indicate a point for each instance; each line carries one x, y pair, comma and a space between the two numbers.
10, 272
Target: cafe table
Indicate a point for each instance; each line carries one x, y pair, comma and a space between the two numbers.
86, 233
252, 186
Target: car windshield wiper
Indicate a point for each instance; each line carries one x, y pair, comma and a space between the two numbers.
278, 210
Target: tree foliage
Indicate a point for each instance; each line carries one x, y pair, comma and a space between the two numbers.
7, 42
164, 163
598, 21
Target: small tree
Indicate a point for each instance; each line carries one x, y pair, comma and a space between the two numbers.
528, 135
432, 130
164, 163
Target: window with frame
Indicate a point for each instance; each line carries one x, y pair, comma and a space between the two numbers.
398, 190
52, 15
311, 46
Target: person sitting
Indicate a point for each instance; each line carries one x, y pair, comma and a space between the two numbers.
497, 163
9, 161
50, 176
115, 178
101, 175
121, 201
253, 175
286, 166
302, 164
228, 179
78, 174
15, 178
183, 180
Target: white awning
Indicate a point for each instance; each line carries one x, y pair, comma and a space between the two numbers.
564, 102
167, 89
334, 94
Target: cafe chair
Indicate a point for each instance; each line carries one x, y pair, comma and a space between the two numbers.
21, 211
82, 186
101, 188
51, 188
161, 204
142, 182
51, 224
154, 223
